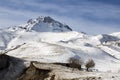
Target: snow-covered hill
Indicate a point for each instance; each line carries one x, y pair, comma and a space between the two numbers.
47, 40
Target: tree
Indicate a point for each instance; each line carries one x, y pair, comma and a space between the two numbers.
89, 64
75, 63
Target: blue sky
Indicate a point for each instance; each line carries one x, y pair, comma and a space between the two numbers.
90, 16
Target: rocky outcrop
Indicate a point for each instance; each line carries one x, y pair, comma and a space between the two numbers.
4, 62
16, 69
34, 73
49, 71
10, 67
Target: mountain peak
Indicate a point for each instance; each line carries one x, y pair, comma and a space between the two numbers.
46, 19
44, 24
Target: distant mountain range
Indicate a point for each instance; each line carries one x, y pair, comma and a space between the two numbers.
48, 40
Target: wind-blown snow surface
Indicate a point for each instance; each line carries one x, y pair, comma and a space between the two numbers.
48, 46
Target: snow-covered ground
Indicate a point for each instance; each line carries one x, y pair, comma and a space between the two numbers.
49, 45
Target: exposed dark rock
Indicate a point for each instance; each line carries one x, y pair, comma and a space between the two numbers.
4, 62
68, 27
48, 19
10, 67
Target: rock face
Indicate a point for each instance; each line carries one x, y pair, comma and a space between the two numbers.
10, 67
4, 61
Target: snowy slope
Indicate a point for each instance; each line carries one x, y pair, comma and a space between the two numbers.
117, 34
59, 47
47, 40
5, 37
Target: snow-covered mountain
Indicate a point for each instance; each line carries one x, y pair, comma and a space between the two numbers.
43, 24
47, 40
